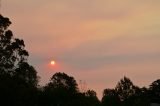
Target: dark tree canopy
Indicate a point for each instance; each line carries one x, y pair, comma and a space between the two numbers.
13, 56
125, 88
91, 97
155, 91
126, 94
62, 89
155, 86
62, 80
110, 98
18, 79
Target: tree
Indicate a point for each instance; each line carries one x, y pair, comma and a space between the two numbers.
154, 91
13, 56
91, 98
61, 90
127, 91
18, 79
125, 88
62, 80
110, 98
141, 97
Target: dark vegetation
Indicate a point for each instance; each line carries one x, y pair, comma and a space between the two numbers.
19, 82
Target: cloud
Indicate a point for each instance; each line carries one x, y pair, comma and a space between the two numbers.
97, 54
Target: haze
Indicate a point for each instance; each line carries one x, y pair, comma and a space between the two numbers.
96, 41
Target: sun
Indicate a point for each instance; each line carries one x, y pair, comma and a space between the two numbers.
52, 62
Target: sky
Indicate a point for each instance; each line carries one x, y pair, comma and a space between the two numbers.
95, 41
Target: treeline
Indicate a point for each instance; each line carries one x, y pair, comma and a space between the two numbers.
19, 82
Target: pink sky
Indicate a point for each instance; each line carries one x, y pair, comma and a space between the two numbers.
96, 41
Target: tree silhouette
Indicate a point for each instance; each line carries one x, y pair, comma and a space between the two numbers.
61, 90
154, 91
18, 79
141, 97
62, 80
13, 56
125, 88
110, 98
91, 98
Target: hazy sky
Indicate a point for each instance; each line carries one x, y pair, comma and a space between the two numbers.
96, 41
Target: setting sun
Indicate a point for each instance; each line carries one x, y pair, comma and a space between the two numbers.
52, 62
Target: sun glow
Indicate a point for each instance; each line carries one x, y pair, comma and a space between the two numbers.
52, 62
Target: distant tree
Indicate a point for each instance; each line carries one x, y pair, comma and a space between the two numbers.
125, 88
154, 91
126, 91
61, 90
110, 98
62, 80
141, 97
91, 93
91, 98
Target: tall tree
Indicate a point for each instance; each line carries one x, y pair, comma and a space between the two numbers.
18, 79
13, 56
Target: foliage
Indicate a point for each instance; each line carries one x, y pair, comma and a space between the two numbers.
13, 56
63, 81
91, 98
154, 91
126, 94
110, 98
61, 89
18, 79
125, 89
